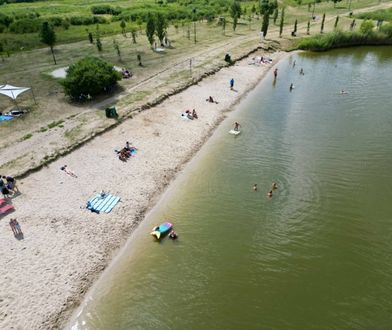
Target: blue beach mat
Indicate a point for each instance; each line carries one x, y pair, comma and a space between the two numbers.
5, 118
104, 203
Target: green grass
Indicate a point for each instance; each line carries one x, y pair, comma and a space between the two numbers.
384, 15
339, 39
27, 136
55, 123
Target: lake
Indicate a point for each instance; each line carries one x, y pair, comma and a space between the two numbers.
315, 255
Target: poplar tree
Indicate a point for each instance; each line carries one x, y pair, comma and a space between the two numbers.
322, 24
308, 28
336, 22
48, 37
281, 23
150, 29
123, 26
276, 13
235, 13
160, 27
266, 9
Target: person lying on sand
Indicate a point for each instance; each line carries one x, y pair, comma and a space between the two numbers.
68, 171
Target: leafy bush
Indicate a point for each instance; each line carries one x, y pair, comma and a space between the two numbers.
366, 27
387, 29
87, 20
26, 25
6, 20
55, 20
2, 28
108, 10
90, 75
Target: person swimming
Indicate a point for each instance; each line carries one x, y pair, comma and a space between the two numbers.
291, 87
255, 187
269, 194
274, 186
173, 235
237, 126
343, 92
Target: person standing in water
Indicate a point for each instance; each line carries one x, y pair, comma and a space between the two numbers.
269, 194
237, 126
275, 73
255, 187
291, 87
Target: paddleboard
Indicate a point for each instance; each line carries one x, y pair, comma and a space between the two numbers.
234, 132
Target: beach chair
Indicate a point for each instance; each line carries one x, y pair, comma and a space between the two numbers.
6, 208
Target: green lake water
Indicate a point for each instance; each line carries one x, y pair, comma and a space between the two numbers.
318, 255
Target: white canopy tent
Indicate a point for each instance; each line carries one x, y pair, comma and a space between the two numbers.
13, 91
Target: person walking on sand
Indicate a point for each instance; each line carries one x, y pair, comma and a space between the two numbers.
237, 126
255, 187
232, 83
276, 73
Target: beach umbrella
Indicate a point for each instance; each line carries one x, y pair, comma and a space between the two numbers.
13, 91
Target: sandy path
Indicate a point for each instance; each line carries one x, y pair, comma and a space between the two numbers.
44, 276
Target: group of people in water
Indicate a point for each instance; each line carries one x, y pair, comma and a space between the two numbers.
270, 193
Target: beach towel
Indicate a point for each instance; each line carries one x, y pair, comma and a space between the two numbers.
6, 208
5, 118
102, 203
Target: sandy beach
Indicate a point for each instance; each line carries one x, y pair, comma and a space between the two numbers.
45, 275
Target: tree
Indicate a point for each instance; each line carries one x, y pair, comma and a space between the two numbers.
235, 13
90, 38
123, 25
133, 34
352, 25
160, 27
150, 29
366, 27
336, 22
322, 24
116, 46
266, 9
99, 43
253, 9
224, 25
48, 37
89, 76
295, 27
281, 23
308, 28
275, 16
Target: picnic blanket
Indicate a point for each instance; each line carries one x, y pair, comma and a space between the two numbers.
102, 203
6, 118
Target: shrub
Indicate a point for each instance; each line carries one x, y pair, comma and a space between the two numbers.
387, 29
26, 25
55, 20
104, 9
90, 75
87, 20
366, 27
6, 20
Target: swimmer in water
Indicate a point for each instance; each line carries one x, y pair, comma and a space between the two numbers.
255, 187
343, 92
236, 126
274, 186
269, 194
291, 87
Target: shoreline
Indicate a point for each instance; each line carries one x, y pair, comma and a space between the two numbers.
66, 249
